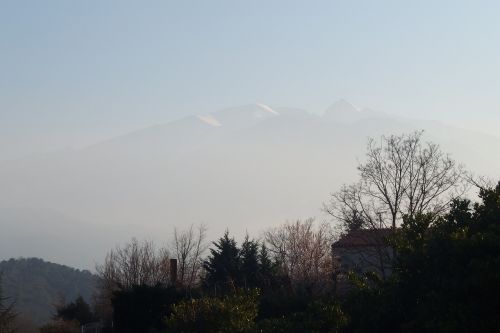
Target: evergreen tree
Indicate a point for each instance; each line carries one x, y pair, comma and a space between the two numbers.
266, 268
78, 310
449, 264
250, 265
223, 266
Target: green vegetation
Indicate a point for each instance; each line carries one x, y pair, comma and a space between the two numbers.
142, 306
70, 317
441, 274
37, 285
229, 267
78, 310
231, 313
61, 326
446, 277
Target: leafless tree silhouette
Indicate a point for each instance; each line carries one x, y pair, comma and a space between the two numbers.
189, 246
402, 176
302, 250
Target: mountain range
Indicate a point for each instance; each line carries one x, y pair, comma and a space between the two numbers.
244, 169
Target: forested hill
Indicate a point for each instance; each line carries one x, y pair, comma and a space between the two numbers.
36, 285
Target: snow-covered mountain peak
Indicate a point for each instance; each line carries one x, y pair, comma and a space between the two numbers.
267, 108
239, 117
209, 120
344, 112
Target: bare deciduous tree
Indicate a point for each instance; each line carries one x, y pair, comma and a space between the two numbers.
135, 263
402, 176
303, 252
188, 246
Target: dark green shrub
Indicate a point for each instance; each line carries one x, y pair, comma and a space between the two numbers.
229, 314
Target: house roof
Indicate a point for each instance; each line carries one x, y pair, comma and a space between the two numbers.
363, 237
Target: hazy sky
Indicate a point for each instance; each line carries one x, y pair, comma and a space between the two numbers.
76, 72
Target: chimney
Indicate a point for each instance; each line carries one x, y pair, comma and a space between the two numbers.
173, 271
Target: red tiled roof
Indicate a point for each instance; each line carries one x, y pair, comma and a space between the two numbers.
363, 237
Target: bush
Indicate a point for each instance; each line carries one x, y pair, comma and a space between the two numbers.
319, 317
61, 326
142, 308
229, 314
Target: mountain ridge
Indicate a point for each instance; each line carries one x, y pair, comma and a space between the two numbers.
257, 174
36, 285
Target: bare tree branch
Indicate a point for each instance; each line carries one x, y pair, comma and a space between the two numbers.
402, 176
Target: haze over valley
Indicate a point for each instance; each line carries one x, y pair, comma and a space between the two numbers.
249, 166
244, 168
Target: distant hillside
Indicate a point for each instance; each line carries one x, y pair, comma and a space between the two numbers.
246, 168
37, 285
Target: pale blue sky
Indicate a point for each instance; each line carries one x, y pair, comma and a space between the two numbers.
77, 72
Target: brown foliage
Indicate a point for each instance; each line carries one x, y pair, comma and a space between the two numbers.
303, 251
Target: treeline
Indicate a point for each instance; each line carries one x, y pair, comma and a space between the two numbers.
443, 255
282, 280
446, 274
445, 279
